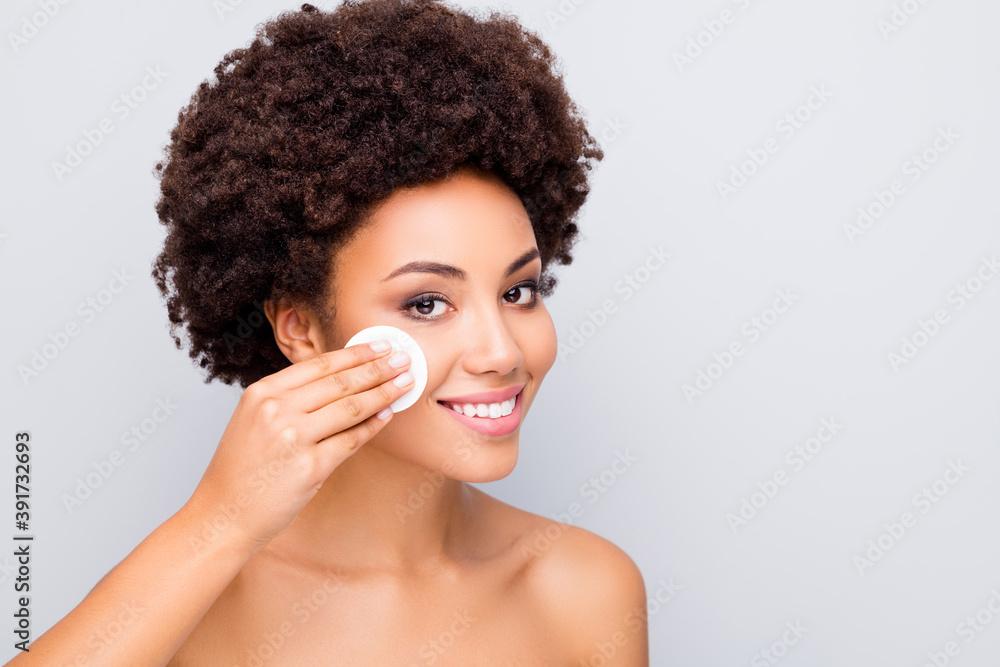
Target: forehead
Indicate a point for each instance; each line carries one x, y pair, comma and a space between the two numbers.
472, 220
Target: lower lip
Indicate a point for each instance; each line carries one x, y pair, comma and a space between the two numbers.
485, 425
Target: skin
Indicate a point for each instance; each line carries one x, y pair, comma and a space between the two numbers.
396, 559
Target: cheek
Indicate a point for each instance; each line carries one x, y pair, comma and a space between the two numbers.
540, 345
441, 359
337, 333
536, 339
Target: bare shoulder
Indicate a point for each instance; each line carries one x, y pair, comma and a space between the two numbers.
591, 588
598, 591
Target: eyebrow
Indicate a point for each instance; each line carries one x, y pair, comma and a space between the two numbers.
449, 271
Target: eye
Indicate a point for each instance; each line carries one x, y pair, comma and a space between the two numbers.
518, 292
425, 306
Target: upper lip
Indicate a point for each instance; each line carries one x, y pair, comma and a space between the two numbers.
487, 397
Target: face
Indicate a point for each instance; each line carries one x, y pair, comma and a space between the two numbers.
455, 265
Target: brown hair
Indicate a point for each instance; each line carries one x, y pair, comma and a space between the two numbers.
274, 164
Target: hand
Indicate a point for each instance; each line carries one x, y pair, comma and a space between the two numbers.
289, 431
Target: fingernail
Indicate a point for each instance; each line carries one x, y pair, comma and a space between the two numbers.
399, 359
403, 379
379, 345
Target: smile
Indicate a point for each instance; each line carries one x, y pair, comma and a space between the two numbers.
488, 418
485, 410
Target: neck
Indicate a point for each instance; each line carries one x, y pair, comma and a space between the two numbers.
377, 511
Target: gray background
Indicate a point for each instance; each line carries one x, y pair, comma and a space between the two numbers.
671, 133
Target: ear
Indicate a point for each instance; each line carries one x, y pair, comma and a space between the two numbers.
297, 330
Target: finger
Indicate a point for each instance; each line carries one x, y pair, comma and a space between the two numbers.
334, 361
348, 382
334, 450
343, 414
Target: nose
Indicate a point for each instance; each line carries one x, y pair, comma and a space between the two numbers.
489, 343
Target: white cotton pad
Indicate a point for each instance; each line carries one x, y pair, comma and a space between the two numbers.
400, 340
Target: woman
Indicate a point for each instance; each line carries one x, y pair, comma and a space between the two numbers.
397, 163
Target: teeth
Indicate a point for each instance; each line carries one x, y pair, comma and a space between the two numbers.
484, 410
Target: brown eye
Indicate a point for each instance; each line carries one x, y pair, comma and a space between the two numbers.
516, 294
423, 307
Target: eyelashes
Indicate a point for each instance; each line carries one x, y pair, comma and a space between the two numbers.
430, 298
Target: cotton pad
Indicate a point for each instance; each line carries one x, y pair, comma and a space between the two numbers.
400, 340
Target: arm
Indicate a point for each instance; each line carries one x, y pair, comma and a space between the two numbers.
142, 611
303, 421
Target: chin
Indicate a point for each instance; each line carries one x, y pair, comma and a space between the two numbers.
453, 450
476, 461
485, 468
471, 456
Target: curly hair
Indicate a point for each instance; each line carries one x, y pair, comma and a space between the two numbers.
277, 162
